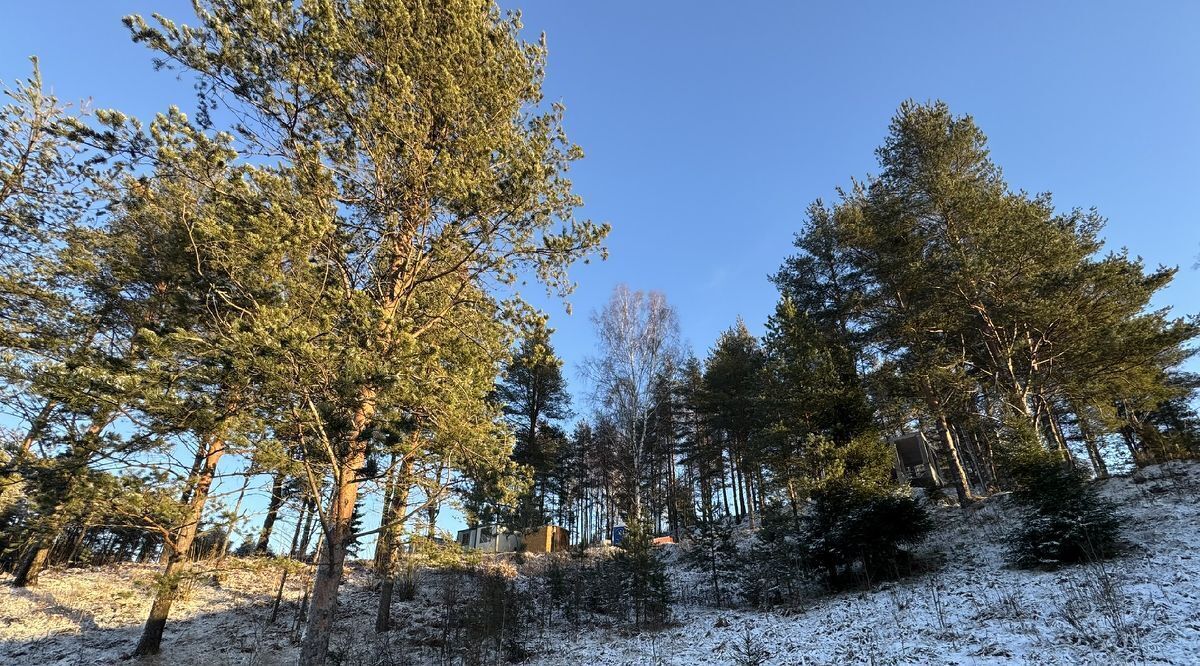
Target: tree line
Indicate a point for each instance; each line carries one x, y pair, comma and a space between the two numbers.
931, 298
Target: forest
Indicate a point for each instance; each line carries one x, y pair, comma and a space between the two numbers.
312, 289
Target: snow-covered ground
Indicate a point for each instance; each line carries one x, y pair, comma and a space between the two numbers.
1141, 608
971, 609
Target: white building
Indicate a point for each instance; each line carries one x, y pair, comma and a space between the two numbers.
490, 539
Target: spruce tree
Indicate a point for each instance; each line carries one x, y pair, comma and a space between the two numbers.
647, 590
713, 551
534, 397
732, 380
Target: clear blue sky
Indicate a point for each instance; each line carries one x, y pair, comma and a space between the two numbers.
709, 127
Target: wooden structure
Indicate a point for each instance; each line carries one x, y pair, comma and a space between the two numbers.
916, 461
546, 539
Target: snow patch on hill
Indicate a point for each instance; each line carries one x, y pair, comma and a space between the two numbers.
1143, 607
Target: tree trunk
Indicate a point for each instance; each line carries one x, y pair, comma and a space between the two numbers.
1139, 457
794, 501
77, 544
35, 430
434, 502
673, 513
1097, 459
969, 452
331, 562
735, 474
1059, 438
1089, 441
338, 529
435, 508
1046, 429
389, 543
962, 485
264, 537
232, 524
278, 596
748, 486
389, 488
176, 550
144, 553
31, 565
987, 462
284, 576
310, 510
606, 505
27, 572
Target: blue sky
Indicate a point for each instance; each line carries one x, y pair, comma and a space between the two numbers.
709, 127
709, 130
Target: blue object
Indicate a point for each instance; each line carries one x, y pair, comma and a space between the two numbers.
618, 535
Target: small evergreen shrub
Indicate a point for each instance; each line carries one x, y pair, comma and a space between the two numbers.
714, 552
496, 622
628, 585
568, 582
648, 593
773, 568
841, 518
1064, 519
246, 549
851, 529
748, 649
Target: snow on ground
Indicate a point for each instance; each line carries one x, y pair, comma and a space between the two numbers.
971, 609
1141, 608
94, 616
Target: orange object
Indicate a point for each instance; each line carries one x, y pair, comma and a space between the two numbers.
546, 539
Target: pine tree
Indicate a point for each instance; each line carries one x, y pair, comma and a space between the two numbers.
988, 315
817, 336
191, 292
56, 349
701, 452
410, 237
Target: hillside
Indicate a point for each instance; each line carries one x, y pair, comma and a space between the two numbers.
970, 609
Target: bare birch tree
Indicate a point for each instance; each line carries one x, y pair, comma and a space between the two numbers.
637, 341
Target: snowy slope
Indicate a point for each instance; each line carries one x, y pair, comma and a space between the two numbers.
1141, 608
